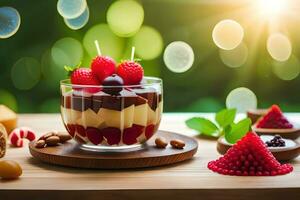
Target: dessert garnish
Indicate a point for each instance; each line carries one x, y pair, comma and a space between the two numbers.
10, 169
52, 139
17, 136
255, 114
113, 83
274, 119
83, 76
225, 125
8, 118
277, 141
131, 71
249, 157
289, 151
177, 144
161, 142
102, 66
3, 138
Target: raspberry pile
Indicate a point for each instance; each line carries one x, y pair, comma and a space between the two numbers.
274, 119
104, 71
277, 141
249, 157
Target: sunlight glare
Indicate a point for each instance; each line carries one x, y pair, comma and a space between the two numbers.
272, 7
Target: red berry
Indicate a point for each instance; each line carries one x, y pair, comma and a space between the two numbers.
274, 119
84, 76
131, 72
249, 157
103, 66
112, 135
131, 134
94, 135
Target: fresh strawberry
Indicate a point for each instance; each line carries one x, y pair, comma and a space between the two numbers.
131, 72
274, 119
84, 76
103, 66
249, 157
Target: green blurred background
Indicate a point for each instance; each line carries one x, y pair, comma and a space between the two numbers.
203, 88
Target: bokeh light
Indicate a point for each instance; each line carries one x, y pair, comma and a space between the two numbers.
10, 21
279, 47
179, 57
110, 44
26, 73
67, 51
8, 99
71, 9
242, 99
78, 22
235, 57
271, 7
228, 34
148, 43
125, 17
288, 70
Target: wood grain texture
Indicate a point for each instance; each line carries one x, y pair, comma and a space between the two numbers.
70, 154
187, 180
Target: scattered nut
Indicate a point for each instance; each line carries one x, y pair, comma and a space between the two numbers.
40, 144
52, 140
63, 137
161, 142
177, 144
44, 137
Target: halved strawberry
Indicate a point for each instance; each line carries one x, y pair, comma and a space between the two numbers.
112, 135
131, 134
94, 135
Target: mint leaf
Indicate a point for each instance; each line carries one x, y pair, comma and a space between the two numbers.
203, 126
234, 132
225, 117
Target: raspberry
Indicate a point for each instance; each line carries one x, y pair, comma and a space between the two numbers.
274, 119
131, 72
249, 157
103, 66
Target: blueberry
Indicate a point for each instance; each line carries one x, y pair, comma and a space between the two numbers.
113, 84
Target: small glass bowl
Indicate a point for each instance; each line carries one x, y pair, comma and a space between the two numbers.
112, 117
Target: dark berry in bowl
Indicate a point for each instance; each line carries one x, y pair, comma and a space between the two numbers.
112, 84
277, 141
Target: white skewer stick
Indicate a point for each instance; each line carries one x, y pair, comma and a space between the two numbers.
132, 53
98, 47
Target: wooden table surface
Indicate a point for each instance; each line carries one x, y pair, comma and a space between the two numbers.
187, 180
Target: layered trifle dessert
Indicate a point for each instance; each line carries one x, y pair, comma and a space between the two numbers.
109, 106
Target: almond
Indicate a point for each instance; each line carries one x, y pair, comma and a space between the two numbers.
63, 137
161, 142
40, 144
52, 140
177, 144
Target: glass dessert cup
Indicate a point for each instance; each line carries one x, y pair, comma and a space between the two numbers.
112, 118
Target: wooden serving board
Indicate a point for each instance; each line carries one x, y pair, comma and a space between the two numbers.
71, 155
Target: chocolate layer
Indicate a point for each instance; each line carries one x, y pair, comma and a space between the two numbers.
103, 100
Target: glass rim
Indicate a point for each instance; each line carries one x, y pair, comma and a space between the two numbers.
154, 81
